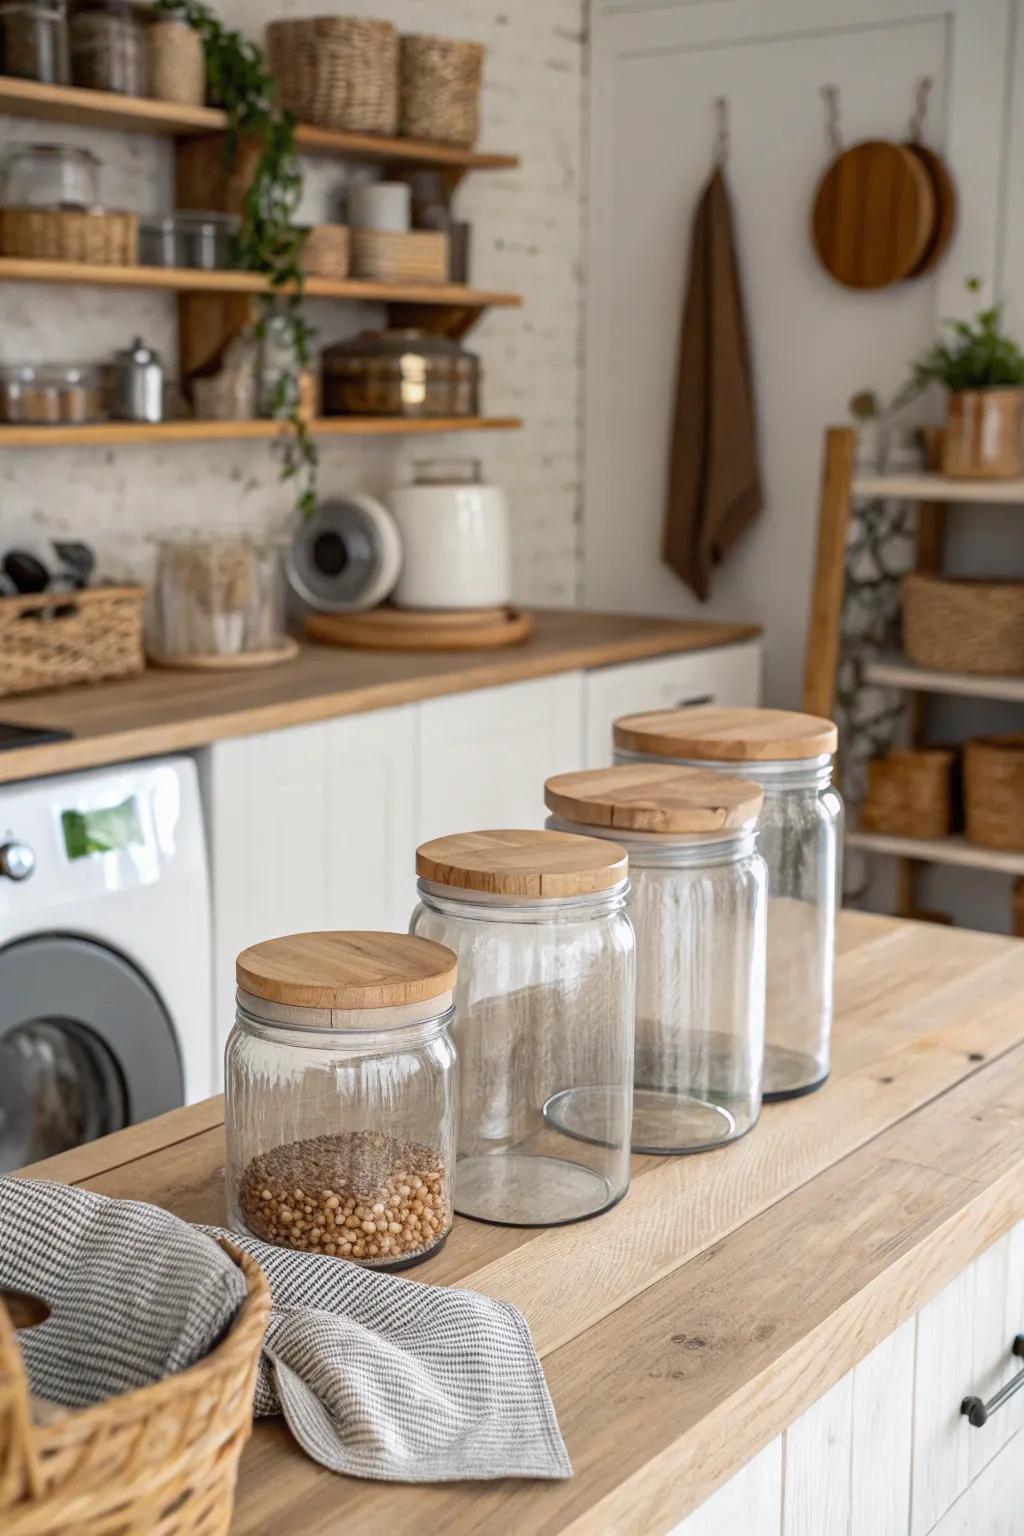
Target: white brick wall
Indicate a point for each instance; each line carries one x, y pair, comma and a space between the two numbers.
526, 237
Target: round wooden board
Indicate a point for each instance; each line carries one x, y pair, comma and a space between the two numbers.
424, 620
654, 797
874, 212
356, 969
521, 863
944, 194
200, 661
727, 735
367, 631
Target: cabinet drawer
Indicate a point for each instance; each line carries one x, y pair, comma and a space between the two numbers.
729, 674
993, 1505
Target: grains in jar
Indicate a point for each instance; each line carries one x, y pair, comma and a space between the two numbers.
176, 62
107, 52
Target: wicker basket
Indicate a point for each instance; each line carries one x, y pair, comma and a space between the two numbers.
910, 793
325, 251
391, 256
1018, 908
158, 1462
957, 624
440, 90
337, 71
47, 641
99, 236
994, 791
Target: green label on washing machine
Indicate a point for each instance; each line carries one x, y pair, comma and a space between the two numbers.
101, 831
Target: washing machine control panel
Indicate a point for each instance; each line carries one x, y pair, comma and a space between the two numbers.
17, 861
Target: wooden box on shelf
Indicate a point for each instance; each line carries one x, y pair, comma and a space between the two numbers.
910, 793
52, 639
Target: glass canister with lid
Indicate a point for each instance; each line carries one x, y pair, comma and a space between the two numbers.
800, 835
698, 905
340, 1096
34, 41
544, 1006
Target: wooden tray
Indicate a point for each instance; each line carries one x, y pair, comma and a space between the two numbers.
209, 661
397, 629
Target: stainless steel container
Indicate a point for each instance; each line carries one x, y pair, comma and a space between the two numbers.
136, 384
199, 239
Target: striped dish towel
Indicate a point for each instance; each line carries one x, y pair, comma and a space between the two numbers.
376, 1376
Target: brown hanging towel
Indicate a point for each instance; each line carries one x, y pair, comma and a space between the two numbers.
714, 487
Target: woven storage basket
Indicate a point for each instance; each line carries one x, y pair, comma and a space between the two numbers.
48, 640
391, 256
910, 793
994, 791
958, 624
158, 1462
440, 90
1018, 908
337, 71
325, 251
99, 236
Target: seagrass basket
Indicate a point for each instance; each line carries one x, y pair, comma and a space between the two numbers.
964, 624
325, 251
161, 1461
400, 256
337, 71
994, 791
52, 639
99, 236
440, 90
910, 793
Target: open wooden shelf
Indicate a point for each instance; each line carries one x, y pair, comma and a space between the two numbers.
137, 114
912, 487
939, 850
99, 434
897, 672
15, 269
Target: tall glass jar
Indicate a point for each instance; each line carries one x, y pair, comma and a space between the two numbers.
544, 1006
34, 41
800, 837
698, 891
340, 1096
108, 46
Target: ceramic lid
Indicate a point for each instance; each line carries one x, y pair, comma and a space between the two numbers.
653, 797
347, 970
524, 864
727, 735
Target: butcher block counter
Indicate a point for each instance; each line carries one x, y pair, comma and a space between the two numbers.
168, 711
745, 1320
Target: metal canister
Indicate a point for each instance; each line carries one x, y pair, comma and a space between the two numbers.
137, 384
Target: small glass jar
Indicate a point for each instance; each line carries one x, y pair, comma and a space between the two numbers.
49, 176
698, 893
339, 1103
800, 836
108, 46
545, 1007
34, 41
218, 595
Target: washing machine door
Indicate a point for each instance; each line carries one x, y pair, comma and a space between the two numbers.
86, 1047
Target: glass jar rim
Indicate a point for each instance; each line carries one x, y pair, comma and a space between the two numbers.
783, 773
719, 846
493, 906
344, 1023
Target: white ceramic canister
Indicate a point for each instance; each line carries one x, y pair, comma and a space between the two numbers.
380, 205
456, 546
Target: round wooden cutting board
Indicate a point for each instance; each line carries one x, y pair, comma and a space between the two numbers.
395, 629
874, 212
944, 194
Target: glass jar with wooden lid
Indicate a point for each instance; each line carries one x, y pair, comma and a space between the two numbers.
340, 1096
800, 836
544, 1007
698, 891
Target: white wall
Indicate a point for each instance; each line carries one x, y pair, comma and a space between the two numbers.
655, 71
526, 238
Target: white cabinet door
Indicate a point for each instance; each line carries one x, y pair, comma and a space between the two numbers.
727, 674
484, 756
370, 836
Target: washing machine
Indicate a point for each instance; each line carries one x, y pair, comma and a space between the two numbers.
105, 963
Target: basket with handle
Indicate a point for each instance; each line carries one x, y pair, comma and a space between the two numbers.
161, 1461
52, 639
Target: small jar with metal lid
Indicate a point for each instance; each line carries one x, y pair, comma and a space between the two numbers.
800, 837
698, 893
340, 1096
544, 1007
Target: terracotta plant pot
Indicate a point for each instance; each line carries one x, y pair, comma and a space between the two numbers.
983, 437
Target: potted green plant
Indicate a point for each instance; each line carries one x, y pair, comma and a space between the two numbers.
983, 370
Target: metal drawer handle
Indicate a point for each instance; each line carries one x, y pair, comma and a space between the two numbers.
979, 1413
694, 700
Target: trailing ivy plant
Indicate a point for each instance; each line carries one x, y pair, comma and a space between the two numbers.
978, 356
238, 81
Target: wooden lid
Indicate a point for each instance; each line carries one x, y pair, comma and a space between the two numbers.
653, 797
347, 970
727, 735
523, 863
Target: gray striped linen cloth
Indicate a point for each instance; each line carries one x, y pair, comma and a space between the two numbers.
376, 1376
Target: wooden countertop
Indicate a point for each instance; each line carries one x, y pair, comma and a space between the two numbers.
164, 711
684, 1329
